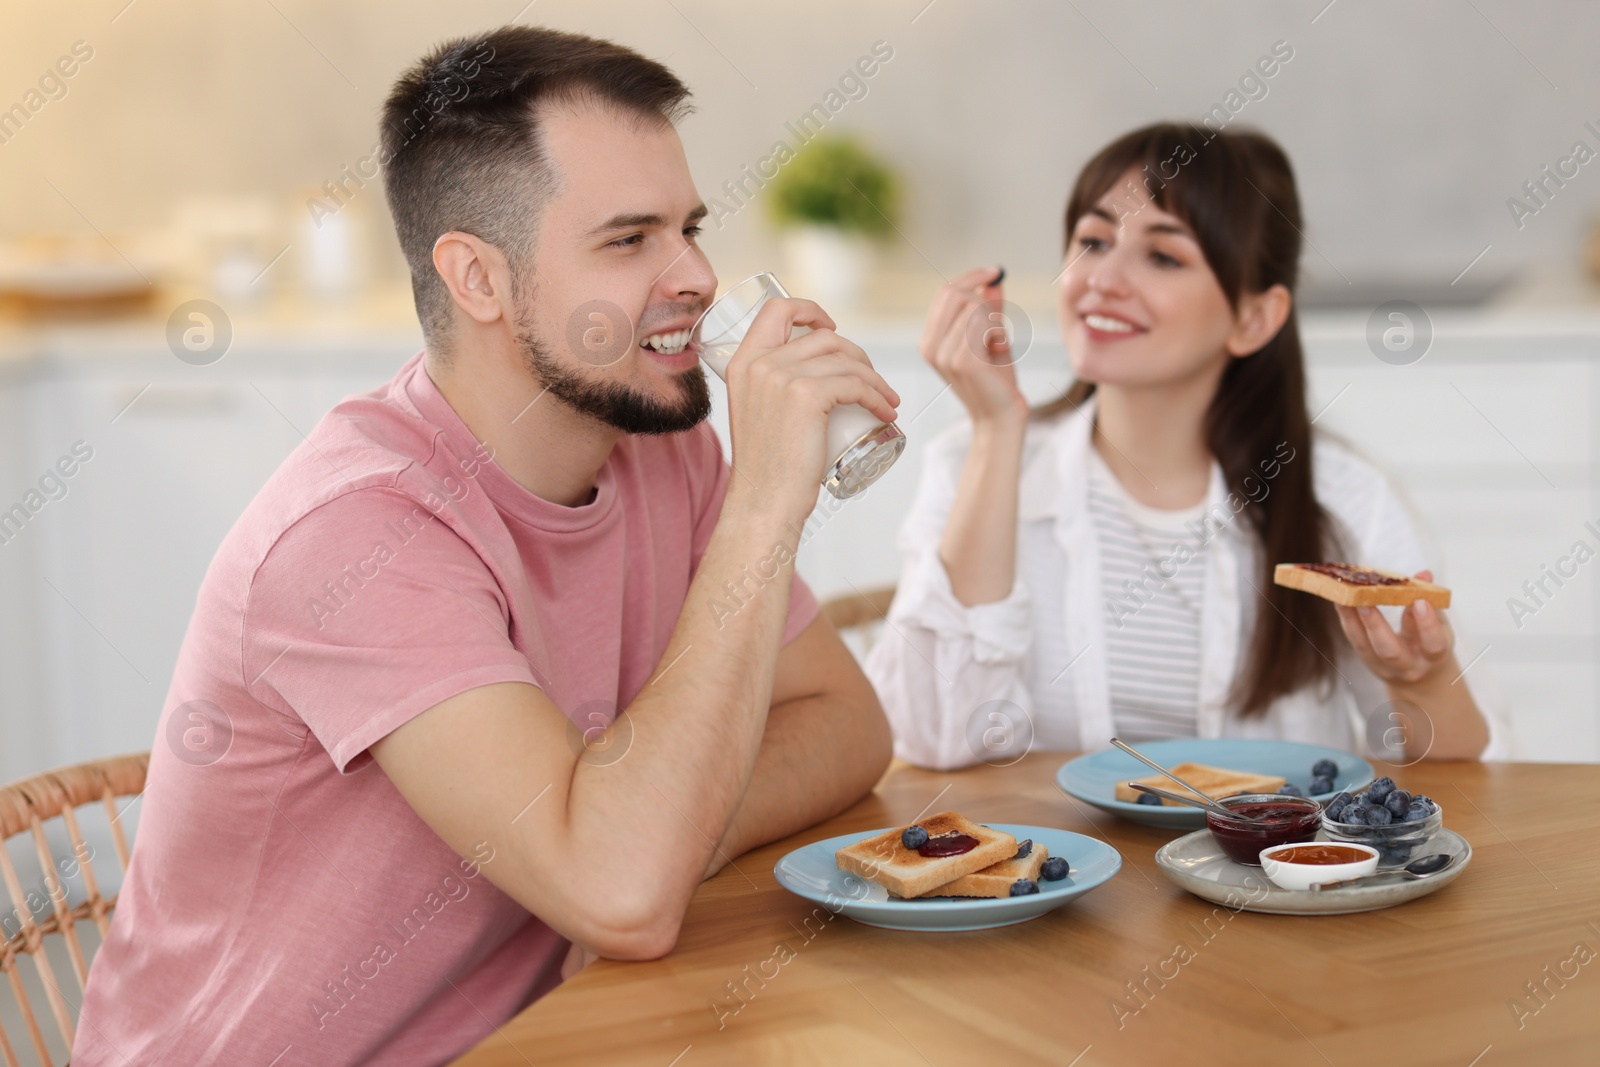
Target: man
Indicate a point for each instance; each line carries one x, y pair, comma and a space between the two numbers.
504, 657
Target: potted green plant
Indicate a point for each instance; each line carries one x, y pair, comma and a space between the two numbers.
829, 202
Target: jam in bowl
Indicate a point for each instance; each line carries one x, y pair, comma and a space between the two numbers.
1283, 820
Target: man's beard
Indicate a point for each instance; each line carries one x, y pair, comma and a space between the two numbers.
615, 403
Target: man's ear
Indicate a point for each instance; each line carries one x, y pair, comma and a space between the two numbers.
1261, 316
477, 275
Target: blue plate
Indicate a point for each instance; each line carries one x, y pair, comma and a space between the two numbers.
1093, 778
812, 872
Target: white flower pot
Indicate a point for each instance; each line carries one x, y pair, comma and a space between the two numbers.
826, 265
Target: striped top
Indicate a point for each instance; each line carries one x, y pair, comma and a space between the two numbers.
1152, 601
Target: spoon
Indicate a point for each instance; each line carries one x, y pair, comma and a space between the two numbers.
1204, 802
1419, 868
1179, 798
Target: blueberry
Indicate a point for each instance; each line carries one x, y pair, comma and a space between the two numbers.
1148, 798
913, 837
1023, 886
1354, 815
1415, 813
1054, 869
1319, 786
1380, 788
1335, 808
1360, 798
1379, 816
1289, 789
1426, 801
1024, 848
1324, 768
1397, 802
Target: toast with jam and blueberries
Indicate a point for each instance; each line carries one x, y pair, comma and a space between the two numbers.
911, 861
1358, 587
1214, 782
1017, 876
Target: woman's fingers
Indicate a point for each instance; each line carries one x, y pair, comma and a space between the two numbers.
1354, 629
1430, 630
1385, 642
953, 307
976, 278
950, 310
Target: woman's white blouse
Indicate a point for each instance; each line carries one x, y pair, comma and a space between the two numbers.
963, 685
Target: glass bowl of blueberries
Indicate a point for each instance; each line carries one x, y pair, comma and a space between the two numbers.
1384, 816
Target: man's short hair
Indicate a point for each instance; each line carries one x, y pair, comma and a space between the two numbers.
462, 148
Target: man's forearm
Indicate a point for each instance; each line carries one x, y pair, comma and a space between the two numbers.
697, 726
819, 755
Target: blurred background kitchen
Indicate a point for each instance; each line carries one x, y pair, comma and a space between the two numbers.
160, 153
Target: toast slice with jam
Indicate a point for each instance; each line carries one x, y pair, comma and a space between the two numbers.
1214, 782
996, 880
1358, 587
956, 846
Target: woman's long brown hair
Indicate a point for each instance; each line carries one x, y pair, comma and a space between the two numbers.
1236, 191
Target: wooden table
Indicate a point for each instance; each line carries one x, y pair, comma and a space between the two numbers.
1435, 981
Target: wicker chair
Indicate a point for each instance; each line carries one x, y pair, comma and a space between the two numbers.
858, 612
25, 807
855, 616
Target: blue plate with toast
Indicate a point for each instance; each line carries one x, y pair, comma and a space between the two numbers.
1093, 778
813, 873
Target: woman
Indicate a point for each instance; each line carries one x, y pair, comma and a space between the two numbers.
1102, 565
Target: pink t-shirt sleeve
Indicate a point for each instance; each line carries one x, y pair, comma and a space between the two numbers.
368, 611
711, 474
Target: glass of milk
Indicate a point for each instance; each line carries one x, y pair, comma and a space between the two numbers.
861, 446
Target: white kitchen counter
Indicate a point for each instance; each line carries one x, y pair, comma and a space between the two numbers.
1490, 432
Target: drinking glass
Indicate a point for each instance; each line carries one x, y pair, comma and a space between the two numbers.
860, 445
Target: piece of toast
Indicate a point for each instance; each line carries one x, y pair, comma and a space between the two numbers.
1358, 587
995, 880
904, 872
1214, 782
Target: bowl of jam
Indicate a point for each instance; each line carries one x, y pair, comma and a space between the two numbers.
1303, 864
1269, 819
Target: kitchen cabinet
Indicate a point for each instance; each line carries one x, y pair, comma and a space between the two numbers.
1490, 434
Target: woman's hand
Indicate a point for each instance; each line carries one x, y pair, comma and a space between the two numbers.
1423, 647
965, 342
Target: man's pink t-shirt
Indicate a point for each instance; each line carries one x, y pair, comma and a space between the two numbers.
284, 900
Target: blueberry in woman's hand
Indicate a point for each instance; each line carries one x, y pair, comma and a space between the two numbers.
1148, 798
1023, 886
1319, 786
913, 837
1054, 869
1324, 768
1379, 789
